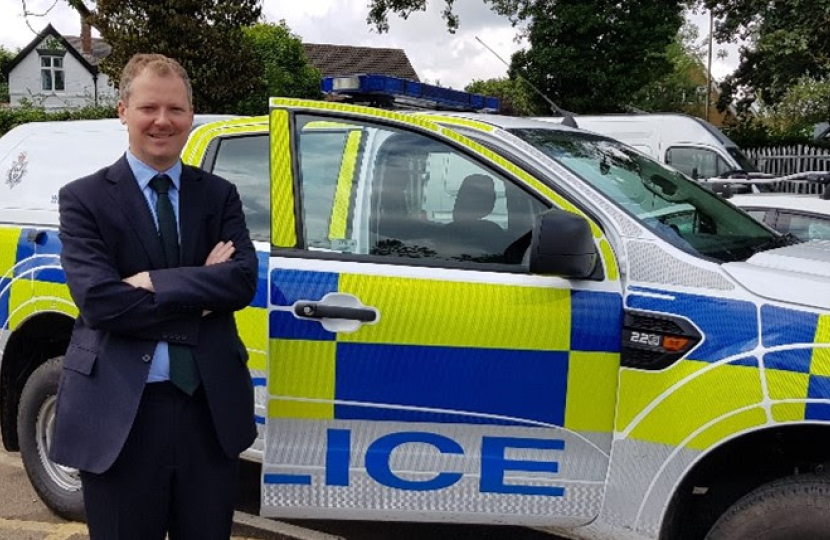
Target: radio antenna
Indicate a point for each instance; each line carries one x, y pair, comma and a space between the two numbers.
567, 115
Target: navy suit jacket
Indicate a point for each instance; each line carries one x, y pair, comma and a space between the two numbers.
108, 234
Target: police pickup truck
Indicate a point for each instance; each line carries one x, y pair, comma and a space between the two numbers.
483, 319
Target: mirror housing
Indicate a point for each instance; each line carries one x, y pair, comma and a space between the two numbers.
562, 244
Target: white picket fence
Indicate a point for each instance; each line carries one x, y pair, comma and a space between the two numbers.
787, 160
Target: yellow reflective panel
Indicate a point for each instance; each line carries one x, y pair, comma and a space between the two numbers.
30, 297
728, 426
283, 221
820, 364
343, 192
9, 238
252, 323
521, 318
200, 138
455, 121
611, 270
704, 397
301, 369
381, 114
592, 391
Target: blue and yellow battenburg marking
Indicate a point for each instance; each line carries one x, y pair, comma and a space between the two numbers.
31, 279
730, 398
483, 353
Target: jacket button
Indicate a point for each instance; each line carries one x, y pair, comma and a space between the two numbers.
146, 358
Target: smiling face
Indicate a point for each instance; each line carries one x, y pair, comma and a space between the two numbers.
158, 116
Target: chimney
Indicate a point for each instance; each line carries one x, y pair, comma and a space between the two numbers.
86, 37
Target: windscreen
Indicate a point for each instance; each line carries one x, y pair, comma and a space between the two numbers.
673, 207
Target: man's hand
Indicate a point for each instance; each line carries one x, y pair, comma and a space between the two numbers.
141, 281
220, 253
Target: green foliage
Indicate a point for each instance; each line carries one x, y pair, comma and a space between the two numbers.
790, 121
379, 10
206, 36
282, 67
6, 56
514, 95
677, 91
788, 39
593, 57
10, 118
804, 104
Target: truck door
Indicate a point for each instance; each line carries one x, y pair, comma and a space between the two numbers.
416, 370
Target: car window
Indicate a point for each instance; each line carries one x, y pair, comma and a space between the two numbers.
696, 162
804, 226
243, 161
379, 191
675, 208
759, 214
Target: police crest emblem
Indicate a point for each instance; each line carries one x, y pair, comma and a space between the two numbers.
18, 169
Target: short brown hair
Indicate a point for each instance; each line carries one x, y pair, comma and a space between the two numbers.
157, 63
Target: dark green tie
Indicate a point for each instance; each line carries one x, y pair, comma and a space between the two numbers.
183, 372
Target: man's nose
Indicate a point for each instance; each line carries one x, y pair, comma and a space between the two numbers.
162, 117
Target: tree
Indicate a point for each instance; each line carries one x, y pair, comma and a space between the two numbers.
679, 90
379, 10
803, 105
593, 57
206, 36
282, 65
513, 95
585, 56
6, 56
788, 39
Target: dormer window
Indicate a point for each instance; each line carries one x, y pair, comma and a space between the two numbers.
51, 73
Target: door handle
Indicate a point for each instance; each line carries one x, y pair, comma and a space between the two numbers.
314, 310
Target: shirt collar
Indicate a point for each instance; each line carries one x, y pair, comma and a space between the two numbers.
144, 173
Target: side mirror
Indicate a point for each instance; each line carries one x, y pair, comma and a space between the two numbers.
562, 244
695, 174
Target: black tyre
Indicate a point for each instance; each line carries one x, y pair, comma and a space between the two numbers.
794, 508
59, 487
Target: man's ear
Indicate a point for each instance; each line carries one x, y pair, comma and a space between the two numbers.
122, 109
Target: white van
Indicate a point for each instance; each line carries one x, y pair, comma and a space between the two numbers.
691, 145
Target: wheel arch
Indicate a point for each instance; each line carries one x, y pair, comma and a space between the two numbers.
735, 467
39, 337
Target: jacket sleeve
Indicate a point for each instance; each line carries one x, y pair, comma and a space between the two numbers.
225, 287
106, 302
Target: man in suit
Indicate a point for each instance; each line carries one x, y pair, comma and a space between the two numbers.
155, 402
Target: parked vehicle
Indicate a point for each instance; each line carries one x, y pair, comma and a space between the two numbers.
485, 319
689, 144
804, 216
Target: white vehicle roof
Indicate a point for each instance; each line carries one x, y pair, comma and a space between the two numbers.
801, 203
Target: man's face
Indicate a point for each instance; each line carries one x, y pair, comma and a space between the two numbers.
158, 118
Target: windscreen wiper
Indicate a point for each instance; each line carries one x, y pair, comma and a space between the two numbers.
787, 239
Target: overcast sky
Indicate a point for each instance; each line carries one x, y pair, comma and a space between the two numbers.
437, 56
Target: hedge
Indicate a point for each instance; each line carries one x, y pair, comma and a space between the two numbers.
12, 117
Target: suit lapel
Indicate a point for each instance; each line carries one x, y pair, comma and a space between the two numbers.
191, 214
124, 189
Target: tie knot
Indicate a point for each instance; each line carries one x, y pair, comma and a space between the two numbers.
161, 184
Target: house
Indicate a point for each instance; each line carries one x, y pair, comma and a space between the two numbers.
60, 72
345, 60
